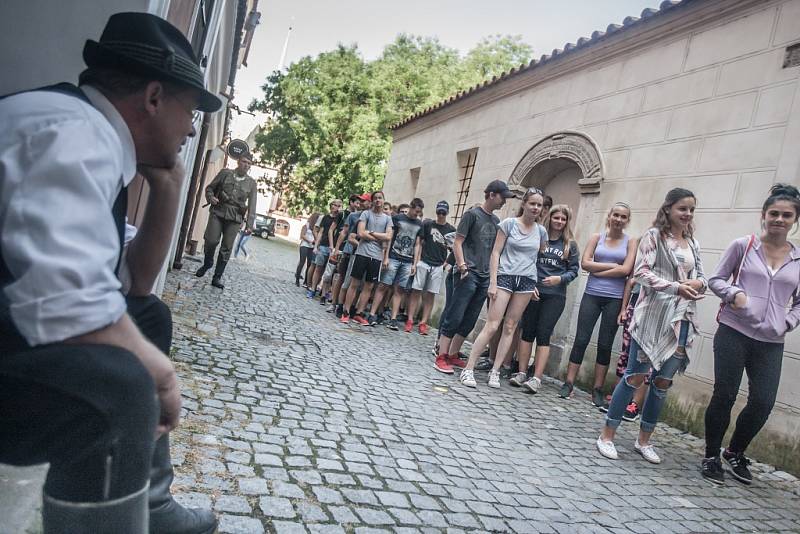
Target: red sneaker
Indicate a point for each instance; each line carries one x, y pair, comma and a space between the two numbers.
360, 320
423, 329
409, 327
344, 319
455, 361
441, 364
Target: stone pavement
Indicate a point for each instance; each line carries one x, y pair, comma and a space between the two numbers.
296, 423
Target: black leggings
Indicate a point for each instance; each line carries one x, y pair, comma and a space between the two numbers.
306, 254
591, 308
540, 318
735, 353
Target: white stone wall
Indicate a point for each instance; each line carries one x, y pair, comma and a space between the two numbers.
709, 109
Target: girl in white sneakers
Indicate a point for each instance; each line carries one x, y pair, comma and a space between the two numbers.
670, 271
512, 281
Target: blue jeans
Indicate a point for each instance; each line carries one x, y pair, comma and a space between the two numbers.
464, 306
654, 401
243, 238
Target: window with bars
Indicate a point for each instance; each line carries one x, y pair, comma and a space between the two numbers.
466, 168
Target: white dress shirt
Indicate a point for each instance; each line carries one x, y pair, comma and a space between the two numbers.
62, 165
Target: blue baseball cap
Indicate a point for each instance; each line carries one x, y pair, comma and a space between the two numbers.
442, 205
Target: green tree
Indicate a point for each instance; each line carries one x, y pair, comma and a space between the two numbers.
494, 55
328, 132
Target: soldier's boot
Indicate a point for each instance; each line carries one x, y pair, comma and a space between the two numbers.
166, 515
126, 515
208, 263
216, 281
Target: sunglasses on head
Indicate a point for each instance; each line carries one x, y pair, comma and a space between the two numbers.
535, 191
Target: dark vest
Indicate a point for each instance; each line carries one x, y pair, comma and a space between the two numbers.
10, 338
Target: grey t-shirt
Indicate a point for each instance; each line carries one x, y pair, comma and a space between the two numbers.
352, 228
373, 222
479, 230
521, 250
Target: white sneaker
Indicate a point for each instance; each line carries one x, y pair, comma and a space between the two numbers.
607, 449
517, 379
494, 379
648, 452
467, 378
532, 385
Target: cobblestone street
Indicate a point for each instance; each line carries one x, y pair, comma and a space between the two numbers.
296, 423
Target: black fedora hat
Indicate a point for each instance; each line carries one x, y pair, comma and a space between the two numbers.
143, 44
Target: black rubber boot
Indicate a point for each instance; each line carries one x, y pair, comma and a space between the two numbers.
126, 515
218, 271
166, 515
208, 263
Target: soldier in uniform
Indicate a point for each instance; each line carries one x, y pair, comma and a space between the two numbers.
232, 194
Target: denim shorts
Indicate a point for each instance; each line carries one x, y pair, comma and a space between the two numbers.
397, 272
321, 257
516, 284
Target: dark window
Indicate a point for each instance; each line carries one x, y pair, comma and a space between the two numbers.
204, 11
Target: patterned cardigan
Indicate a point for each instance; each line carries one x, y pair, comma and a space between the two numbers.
659, 311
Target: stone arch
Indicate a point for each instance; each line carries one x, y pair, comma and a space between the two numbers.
573, 146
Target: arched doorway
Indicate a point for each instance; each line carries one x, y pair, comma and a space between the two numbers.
568, 167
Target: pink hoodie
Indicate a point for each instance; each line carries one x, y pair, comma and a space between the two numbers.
773, 302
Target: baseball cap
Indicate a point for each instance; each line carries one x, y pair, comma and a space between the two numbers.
365, 197
499, 187
442, 205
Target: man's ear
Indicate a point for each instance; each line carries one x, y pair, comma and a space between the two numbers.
154, 95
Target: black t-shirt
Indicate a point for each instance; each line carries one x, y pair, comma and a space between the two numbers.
479, 230
325, 225
404, 237
434, 245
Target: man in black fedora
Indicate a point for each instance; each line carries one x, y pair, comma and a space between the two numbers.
232, 194
85, 381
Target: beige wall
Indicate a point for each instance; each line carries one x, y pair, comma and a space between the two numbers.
709, 108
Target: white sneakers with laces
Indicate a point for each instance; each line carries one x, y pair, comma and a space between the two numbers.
607, 449
532, 385
648, 452
494, 379
467, 378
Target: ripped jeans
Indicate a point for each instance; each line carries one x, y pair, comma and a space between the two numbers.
654, 401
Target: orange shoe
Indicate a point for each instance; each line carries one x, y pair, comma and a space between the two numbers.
441, 364
455, 361
423, 329
409, 327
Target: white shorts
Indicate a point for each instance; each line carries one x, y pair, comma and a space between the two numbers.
428, 278
330, 268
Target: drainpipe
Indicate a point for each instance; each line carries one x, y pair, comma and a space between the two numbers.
194, 181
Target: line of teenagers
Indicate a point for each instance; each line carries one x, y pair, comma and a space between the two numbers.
757, 279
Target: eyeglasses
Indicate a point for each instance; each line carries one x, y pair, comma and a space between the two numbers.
535, 191
196, 117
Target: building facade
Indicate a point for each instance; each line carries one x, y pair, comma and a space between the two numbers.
701, 94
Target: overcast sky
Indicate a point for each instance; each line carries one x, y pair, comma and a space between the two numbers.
319, 25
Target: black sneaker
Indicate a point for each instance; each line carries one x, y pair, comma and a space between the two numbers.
631, 413
392, 324
712, 470
339, 311
566, 390
372, 320
506, 372
598, 399
737, 464
484, 364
